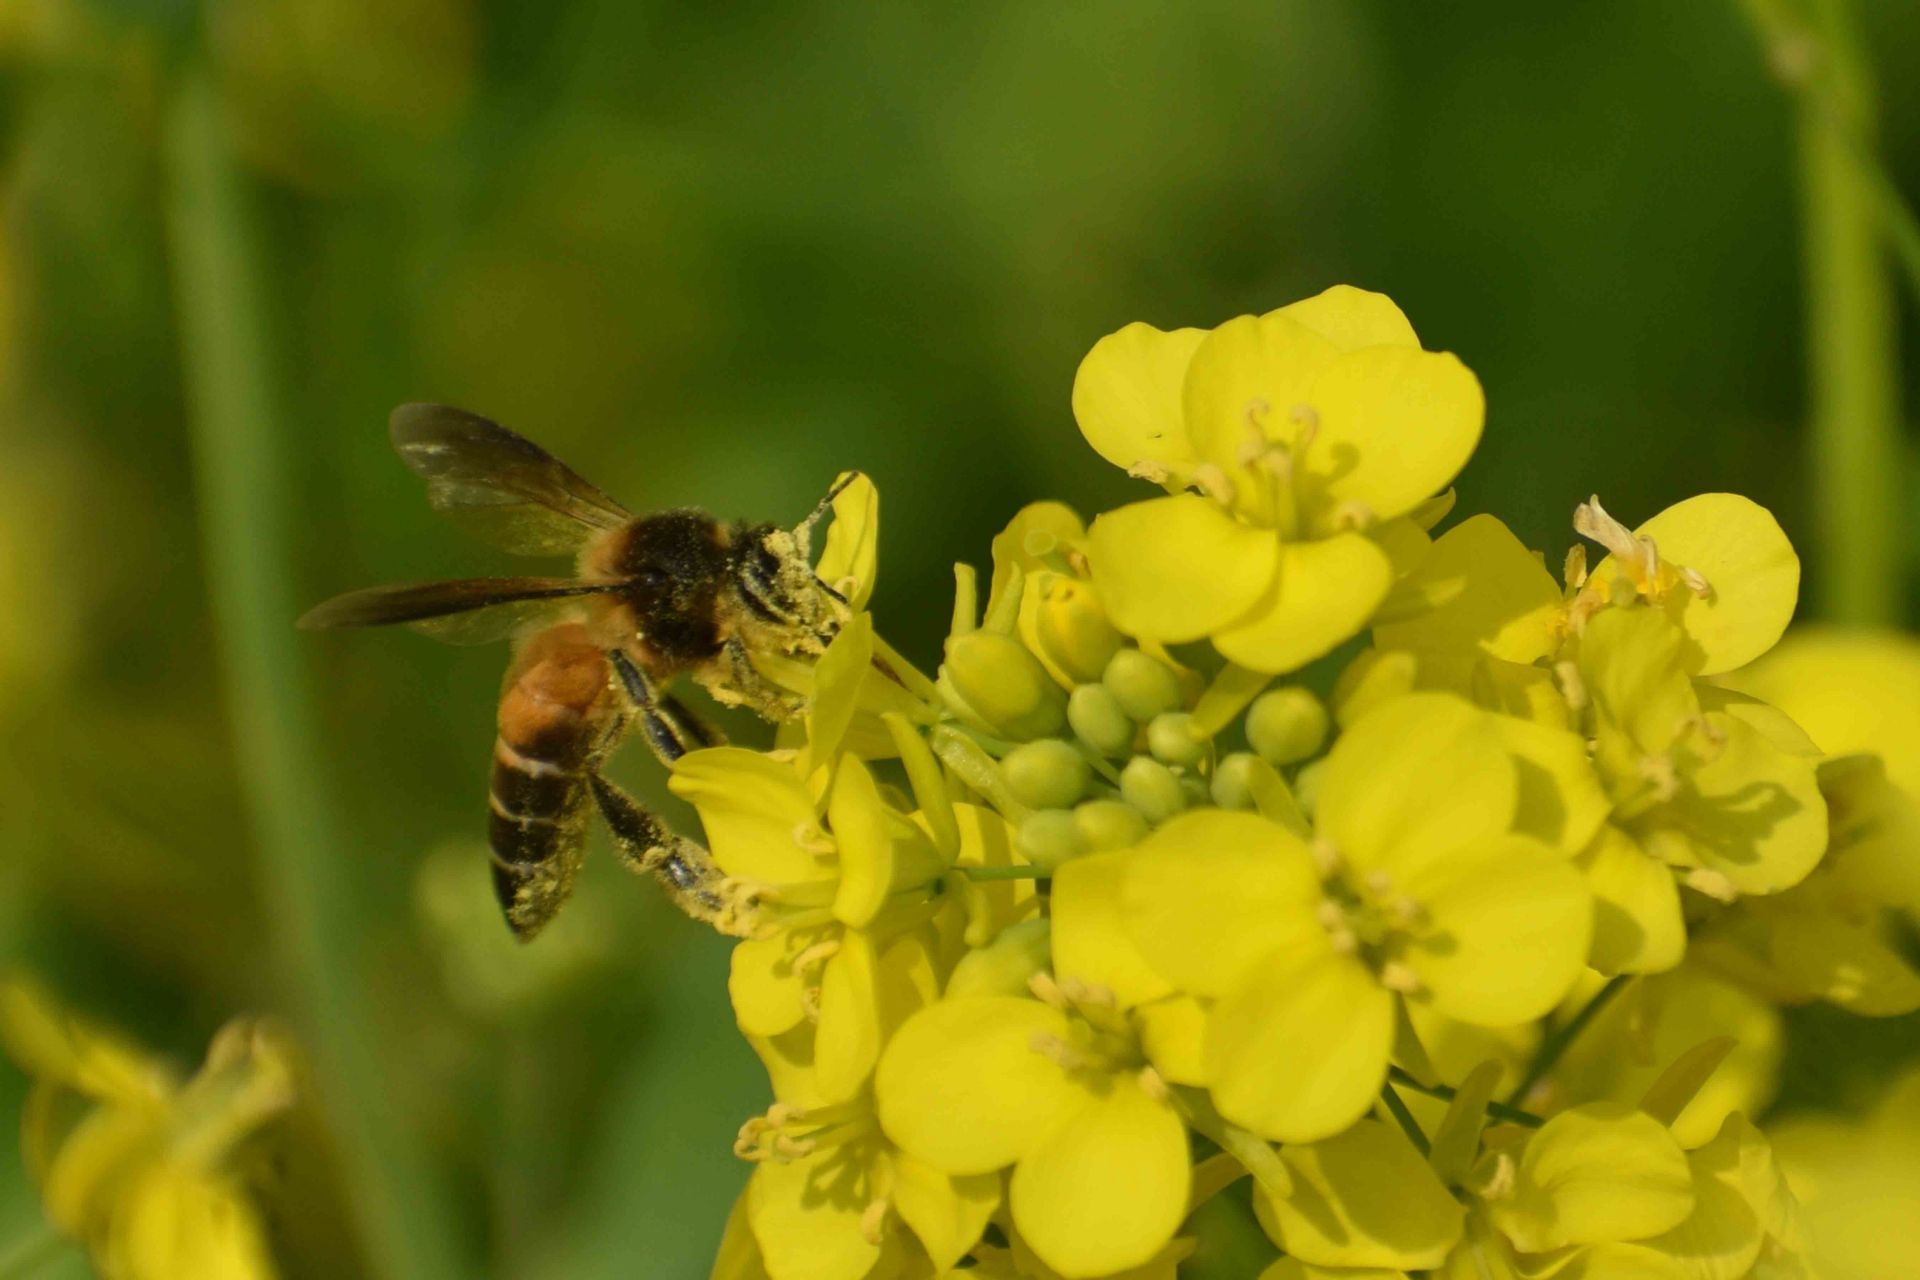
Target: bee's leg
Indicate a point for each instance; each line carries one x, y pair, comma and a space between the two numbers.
754, 690
669, 726
648, 847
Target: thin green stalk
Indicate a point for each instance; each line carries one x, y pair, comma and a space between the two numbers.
1561, 1038
1415, 1134
1851, 216
1005, 873
1498, 1110
242, 476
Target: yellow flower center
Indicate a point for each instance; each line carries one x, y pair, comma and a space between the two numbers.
1368, 917
1099, 1040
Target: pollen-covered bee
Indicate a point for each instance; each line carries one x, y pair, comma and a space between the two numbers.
654, 597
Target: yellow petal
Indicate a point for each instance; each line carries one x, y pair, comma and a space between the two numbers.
806, 1214
1246, 379
1323, 594
1749, 565
768, 996
864, 834
947, 1213
1179, 568
1173, 1032
1090, 938
1498, 597
1637, 926
738, 1257
1561, 799
1396, 426
53, 1045
850, 562
1211, 893
1299, 1051
1294, 1269
1126, 396
1595, 1173
1049, 527
1631, 663
1413, 779
750, 805
847, 1041
837, 680
1507, 930
1105, 1190
962, 1087
1352, 318
1851, 691
175, 1220
1364, 1198
1752, 812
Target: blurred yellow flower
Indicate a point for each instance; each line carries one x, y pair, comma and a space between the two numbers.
1309, 432
1858, 1182
137, 1165
1852, 691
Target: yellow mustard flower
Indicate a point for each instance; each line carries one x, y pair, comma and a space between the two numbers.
1309, 433
145, 1173
1858, 1182
1051, 1075
1414, 886
1852, 691
829, 1192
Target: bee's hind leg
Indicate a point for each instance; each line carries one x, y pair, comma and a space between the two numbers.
648, 847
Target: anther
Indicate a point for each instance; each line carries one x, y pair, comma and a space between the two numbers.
1047, 991
1378, 882
1574, 572
1257, 408
873, 1221
1325, 857
1398, 976
1714, 884
1153, 1084
1495, 1181
1406, 911
1353, 514
1590, 520
1659, 770
1215, 483
1149, 470
816, 955
811, 839
1572, 688
1697, 583
1089, 993
1052, 1047
1330, 915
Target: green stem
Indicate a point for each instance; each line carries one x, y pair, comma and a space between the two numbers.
1004, 873
242, 475
30, 1255
1499, 1110
1561, 1039
1398, 1107
1850, 216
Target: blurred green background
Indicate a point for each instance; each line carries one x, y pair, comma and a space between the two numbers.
713, 255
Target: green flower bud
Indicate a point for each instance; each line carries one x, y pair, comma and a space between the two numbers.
1306, 786
1108, 824
1098, 721
1072, 628
1286, 725
1152, 788
1002, 686
1143, 685
1173, 738
1047, 774
1047, 838
1232, 788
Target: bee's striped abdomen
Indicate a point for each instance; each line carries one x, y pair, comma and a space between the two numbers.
554, 716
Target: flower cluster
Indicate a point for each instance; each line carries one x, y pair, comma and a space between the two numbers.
1472, 966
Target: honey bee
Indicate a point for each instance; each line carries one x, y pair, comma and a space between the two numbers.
653, 597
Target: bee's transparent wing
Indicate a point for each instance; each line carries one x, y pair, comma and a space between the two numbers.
462, 611
499, 484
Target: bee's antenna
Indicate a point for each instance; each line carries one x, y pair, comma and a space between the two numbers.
803, 532
826, 504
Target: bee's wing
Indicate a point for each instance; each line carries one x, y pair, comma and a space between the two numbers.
462, 611
501, 485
